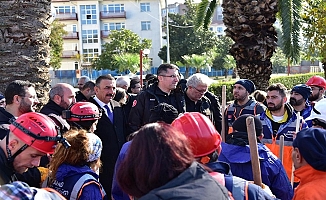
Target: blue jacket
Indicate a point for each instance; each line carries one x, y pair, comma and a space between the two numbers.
272, 170
287, 128
240, 188
116, 191
68, 175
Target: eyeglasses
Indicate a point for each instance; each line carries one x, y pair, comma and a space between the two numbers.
200, 91
171, 76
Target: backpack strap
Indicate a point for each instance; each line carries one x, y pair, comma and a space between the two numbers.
80, 184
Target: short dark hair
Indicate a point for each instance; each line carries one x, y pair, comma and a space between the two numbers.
156, 155
133, 82
89, 84
16, 87
164, 67
103, 77
278, 87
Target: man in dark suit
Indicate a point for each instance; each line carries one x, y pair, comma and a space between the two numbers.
110, 127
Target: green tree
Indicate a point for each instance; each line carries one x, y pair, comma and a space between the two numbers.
222, 50
130, 61
56, 43
314, 29
228, 63
279, 61
121, 42
184, 39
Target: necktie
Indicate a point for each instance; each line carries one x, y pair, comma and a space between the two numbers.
110, 114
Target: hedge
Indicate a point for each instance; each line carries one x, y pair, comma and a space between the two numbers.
287, 81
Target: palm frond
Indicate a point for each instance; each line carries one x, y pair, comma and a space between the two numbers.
201, 13
209, 14
289, 11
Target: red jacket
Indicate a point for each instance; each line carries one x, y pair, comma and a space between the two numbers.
312, 184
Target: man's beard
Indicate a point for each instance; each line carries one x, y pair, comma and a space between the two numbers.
25, 108
64, 105
295, 102
313, 97
276, 107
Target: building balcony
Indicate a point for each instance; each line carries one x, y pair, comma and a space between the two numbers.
66, 16
71, 35
105, 33
70, 54
111, 15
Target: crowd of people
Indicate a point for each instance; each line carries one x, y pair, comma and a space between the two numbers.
117, 139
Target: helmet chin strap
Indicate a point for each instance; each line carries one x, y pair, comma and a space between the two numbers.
11, 157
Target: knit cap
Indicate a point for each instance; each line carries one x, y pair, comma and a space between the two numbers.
302, 89
163, 112
311, 143
240, 124
248, 84
95, 147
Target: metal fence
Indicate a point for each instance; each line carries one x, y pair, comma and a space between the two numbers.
69, 76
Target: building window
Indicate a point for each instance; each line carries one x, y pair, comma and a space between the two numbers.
76, 65
219, 17
74, 28
116, 26
219, 29
211, 28
145, 25
114, 8
90, 36
88, 14
145, 7
90, 54
65, 9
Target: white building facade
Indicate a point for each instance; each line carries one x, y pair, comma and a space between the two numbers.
89, 23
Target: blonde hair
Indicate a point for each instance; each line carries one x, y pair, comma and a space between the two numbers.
77, 154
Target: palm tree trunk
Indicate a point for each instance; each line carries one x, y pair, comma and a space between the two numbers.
24, 43
250, 25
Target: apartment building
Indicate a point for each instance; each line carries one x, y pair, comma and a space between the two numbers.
217, 24
89, 23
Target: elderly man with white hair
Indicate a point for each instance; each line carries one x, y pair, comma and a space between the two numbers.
196, 100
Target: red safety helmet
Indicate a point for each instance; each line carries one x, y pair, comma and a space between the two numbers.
202, 135
36, 130
317, 81
82, 111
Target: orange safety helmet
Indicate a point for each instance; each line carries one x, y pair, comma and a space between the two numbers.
317, 81
202, 135
82, 111
36, 130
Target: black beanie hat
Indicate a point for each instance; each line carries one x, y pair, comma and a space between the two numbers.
163, 112
240, 124
248, 84
311, 143
302, 89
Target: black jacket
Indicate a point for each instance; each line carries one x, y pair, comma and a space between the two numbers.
148, 99
51, 107
113, 136
4, 122
80, 97
207, 108
6, 172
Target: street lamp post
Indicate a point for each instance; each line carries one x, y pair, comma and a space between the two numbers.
142, 53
